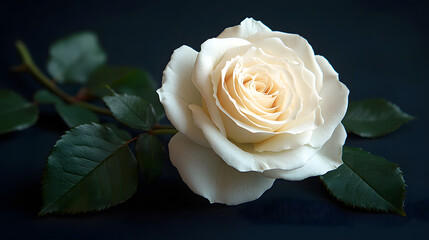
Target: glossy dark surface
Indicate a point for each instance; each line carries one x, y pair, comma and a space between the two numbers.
378, 48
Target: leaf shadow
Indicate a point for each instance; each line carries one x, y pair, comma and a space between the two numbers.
166, 198
156, 198
294, 212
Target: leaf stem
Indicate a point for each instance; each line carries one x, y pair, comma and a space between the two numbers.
161, 131
29, 65
161, 126
131, 140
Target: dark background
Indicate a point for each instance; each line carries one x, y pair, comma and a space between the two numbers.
379, 48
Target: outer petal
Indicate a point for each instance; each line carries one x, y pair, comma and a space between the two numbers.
333, 105
209, 176
178, 91
242, 156
246, 28
327, 159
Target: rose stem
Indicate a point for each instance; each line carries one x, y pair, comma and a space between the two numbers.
29, 66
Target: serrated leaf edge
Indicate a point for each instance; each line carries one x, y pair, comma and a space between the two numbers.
137, 115
42, 212
400, 212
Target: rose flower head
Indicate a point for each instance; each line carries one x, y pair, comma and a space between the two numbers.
252, 106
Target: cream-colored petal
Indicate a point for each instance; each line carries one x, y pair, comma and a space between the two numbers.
275, 47
283, 141
242, 156
178, 91
306, 123
211, 52
333, 105
246, 108
246, 28
305, 119
209, 176
241, 133
301, 47
327, 159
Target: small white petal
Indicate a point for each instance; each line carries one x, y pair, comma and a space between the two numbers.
209, 176
327, 159
178, 91
246, 28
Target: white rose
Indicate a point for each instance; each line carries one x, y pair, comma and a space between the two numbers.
252, 106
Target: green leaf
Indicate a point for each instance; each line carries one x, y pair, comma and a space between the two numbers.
367, 181
123, 134
45, 97
106, 75
150, 153
73, 58
374, 117
90, 168
132, 111
74, 115
139, 83
127, 80
16, 113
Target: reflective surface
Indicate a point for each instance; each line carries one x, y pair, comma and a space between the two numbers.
379, 50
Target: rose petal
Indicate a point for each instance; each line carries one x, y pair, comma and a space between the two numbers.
178, 91
306, 123
211, 52
302, 48
327, 159
247, 125
242, 156
246, 28
333, 105
242, 133
209, 176
284, 141
272, 46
